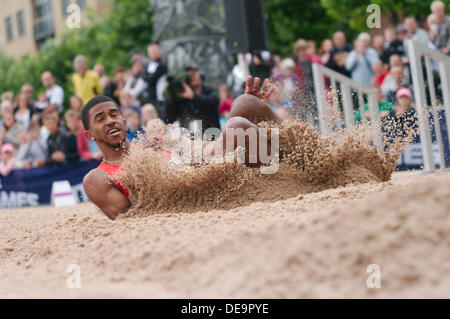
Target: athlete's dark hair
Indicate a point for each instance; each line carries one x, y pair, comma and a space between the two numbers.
89, 105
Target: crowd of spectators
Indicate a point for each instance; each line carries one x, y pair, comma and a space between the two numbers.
45, 132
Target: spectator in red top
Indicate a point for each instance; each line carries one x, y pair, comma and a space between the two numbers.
380, 71
75, 126
311, 53
225, 100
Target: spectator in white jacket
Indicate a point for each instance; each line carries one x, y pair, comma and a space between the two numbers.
359, 61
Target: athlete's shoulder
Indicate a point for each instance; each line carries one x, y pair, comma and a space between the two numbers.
96, 179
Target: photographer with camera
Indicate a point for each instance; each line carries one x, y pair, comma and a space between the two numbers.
188, 100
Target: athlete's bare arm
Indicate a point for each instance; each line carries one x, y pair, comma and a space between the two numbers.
105, 195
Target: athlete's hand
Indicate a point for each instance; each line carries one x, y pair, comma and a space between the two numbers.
252, 87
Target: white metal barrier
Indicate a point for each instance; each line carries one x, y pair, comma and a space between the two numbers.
416, 52
327, 116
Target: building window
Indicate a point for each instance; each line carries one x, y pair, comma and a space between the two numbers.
21, 23
82, 4
43, 17
65, 5
9, 29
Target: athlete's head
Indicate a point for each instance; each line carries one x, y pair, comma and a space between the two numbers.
103, 122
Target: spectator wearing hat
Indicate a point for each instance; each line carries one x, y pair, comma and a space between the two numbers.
393, 44
398, 122
8, 161
137, 53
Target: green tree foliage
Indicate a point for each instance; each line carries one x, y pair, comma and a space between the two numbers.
289, 20
355, 11
105, 40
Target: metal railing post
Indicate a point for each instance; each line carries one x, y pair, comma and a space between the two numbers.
419, 93
319, 87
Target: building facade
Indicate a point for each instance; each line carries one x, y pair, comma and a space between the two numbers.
26, 25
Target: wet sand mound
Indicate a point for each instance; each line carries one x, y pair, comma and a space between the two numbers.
310, 163
311, 245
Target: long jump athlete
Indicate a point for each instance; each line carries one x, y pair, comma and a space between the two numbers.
105, 125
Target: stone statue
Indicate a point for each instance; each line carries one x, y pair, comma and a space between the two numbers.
192, 33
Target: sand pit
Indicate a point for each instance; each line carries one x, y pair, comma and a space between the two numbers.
310, 245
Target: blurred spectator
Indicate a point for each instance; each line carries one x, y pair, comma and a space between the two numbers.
393, 82
148, 113
137, 53
6, 107
261, 65
10, 130
442, 30
126, 101
392, 46
404, 101
196, 102
116, 84
75, 103
378, 43
31, 152
276, 64
397, 122
306, 106
22, 113
339, 53
413, 32
155, 74
100, 70
41, 104
401, 35
311, 52
380, 73
360, 60
431, 26
8, 161
325, 50
54, 93
135, 84
85, 82
288, 78
226, 100
7, 96
28, 90
395, 60
61, 147
133, 124
75, 126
